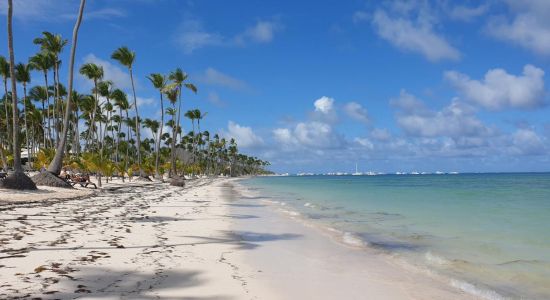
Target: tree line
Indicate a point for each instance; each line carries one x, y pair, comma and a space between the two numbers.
100, 131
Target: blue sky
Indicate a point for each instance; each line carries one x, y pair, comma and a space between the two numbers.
319, 86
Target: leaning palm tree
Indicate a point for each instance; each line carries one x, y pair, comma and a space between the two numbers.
94, 73
126, 58
18, 179
56, 164
159, 82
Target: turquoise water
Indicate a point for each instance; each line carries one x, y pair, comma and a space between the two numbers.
488, 233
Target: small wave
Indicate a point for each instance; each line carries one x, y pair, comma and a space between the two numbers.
435, 260
351, 239
291, 213
476, 291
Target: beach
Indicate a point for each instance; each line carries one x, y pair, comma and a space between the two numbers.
214, 239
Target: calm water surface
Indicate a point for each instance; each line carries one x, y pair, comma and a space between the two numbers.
489, 233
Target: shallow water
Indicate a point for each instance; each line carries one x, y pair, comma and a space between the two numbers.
489, 233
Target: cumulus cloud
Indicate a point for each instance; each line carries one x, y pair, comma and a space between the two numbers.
357, 112
324, 105
244, 135
314, 135
457, 120
499, 89
214, 77
527, 142
528, 27
192, 35
413, 33
112, 72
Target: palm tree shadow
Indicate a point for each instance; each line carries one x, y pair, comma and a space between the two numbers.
246, 240
99, 282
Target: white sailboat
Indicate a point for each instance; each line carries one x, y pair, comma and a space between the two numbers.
356, 171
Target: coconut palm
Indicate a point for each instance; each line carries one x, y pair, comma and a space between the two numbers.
44, 61
126, 58
94, 73
179, 77
5, 73
159, 82
18, 179
53, 44
56, 164
23, 76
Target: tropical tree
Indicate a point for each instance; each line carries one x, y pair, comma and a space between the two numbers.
179, 77
43, 62
94, 73
126, 58
56, 164
5, 73
159, 82
18, 179
23, 75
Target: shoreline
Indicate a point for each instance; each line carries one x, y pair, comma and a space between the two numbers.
212, 239
332, 267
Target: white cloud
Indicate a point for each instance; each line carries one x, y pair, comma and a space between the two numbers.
364, 142
324, 105
456, 120
244, 135
56, 10
115, 73
261, 32
529, 26
357, 112
145, 101
380, 134
309, 135
360, 16
214, 77
192, 36
527, 142
499, 89
215, 99
466, 13
414, 35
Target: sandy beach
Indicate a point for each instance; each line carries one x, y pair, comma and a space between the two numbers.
214, 239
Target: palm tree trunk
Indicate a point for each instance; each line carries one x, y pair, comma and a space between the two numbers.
15, 112
3, 156
25, 118
7, 110
159, 136
56, 164
138, 138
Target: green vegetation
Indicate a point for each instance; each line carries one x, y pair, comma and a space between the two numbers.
99, 131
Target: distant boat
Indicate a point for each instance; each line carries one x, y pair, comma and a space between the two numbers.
356, 171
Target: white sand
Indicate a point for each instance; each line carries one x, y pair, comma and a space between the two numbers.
203, 242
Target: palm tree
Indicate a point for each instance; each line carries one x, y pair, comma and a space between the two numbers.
121, 101
40, 94
179, 77
44, 61
94, 73
23, 75
126, 57
56, 164
17, 180
159, 82
5, 73
153, 125
172, 96
53, 44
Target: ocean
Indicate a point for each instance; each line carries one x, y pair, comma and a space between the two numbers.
488, 234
